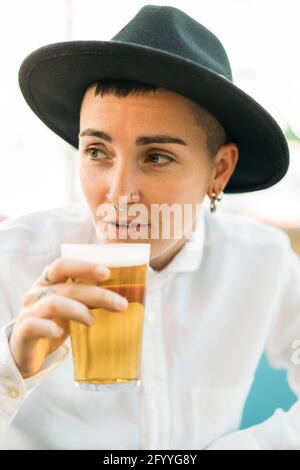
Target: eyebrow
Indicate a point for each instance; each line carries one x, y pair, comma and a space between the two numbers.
141, 140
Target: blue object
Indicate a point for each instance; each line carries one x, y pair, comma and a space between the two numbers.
270, 390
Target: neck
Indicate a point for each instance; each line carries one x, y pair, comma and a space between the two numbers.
160, 262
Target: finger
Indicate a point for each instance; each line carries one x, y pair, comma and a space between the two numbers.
64, 268
93, 296
34, 327
60, 307
36, 293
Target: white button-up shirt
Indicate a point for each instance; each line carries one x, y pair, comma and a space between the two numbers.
209, 315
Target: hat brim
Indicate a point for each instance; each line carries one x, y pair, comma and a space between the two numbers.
54, 78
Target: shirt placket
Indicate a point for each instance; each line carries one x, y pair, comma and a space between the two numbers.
155, 402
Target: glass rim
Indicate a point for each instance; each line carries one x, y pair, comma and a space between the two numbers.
103, 245
110, 255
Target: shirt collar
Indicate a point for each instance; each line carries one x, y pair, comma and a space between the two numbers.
190, 255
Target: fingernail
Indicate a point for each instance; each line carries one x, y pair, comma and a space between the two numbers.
103, 271
58, 331
122, 302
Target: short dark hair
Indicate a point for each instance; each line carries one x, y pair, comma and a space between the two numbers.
215, 133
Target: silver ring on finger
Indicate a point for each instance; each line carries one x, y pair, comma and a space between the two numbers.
44, 293
44, 276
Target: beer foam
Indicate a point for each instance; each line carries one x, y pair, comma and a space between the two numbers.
111, 255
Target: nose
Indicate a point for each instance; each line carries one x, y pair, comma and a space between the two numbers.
123, 186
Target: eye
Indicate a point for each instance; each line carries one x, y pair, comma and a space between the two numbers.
92, 152
155, 157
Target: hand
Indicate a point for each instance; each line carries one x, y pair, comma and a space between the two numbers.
43, 323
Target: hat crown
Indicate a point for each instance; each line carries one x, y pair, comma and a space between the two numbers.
173, 31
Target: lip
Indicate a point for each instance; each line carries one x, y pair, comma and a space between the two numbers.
124, 224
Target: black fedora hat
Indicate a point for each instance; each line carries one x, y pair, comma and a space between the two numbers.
163, 46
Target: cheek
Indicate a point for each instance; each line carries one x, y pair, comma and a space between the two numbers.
196, 184
190, 188
92, 185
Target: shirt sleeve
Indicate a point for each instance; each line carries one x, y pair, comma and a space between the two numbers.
13, 388
282, 430
18, 271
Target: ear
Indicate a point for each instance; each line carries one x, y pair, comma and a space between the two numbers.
223, 166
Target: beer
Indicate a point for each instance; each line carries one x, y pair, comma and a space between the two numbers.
108, 353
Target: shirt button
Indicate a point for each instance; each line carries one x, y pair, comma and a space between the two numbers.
13, 393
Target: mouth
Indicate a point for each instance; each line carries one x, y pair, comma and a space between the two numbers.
125, 226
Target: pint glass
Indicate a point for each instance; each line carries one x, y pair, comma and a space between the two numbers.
107, 355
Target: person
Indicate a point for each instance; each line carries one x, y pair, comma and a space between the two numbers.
157, 119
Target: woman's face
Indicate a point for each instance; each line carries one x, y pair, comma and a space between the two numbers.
158, 172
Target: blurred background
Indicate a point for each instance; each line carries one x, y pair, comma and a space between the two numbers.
261, 38
39, 171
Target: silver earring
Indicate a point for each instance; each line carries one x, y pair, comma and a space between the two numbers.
214, 199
